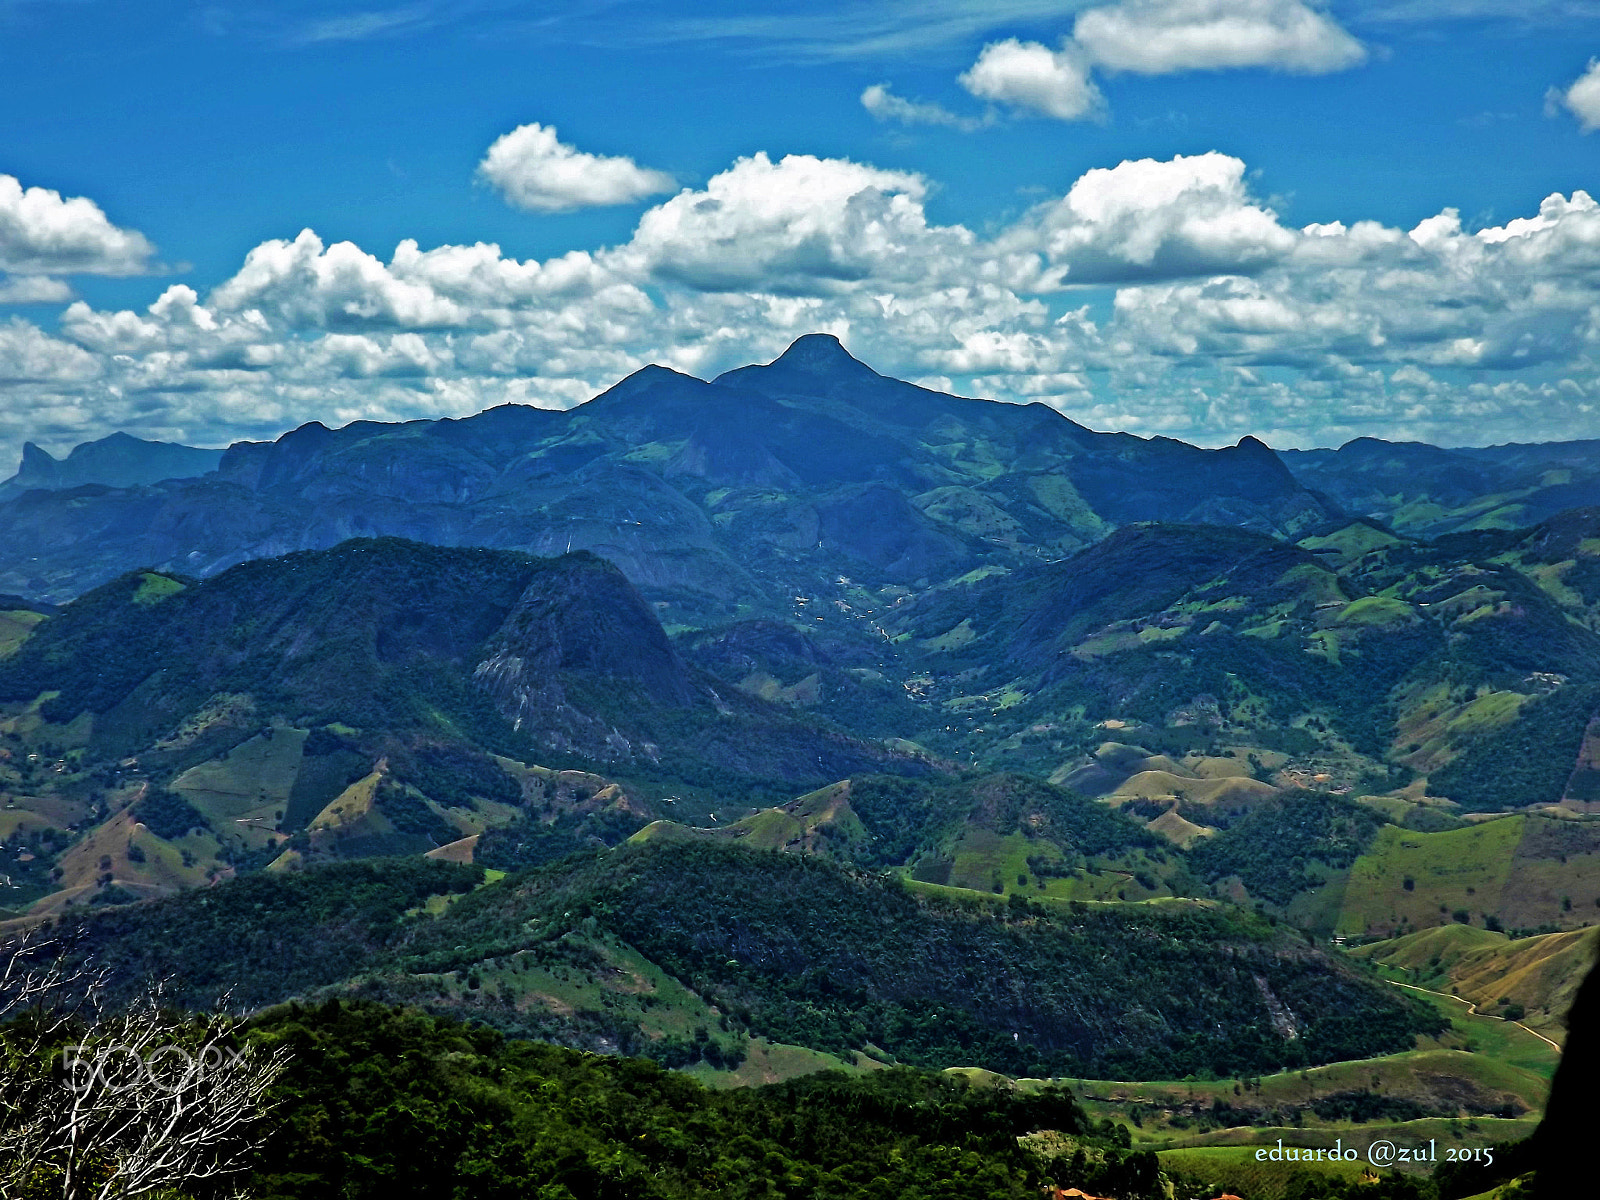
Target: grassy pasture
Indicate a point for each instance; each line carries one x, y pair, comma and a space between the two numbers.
16, 626
1231, 1165
1539, 973
1458, 869
1524, 870
259, 774
1434, 1077
774, 1062
1217, 1170
1376, 611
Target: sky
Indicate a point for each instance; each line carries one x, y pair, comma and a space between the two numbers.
1201, 219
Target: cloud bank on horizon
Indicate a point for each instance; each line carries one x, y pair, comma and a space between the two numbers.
1224, 319
1158, 294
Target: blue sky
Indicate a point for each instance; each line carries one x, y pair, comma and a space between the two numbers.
1202, 218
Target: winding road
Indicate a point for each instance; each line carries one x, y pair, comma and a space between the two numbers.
1472, 1010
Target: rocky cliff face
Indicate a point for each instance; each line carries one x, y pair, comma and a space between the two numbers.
589, 631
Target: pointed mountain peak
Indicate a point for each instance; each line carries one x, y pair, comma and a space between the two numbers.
1253, 445
820, 354
815, 365
643, 380
35, 456
37, 468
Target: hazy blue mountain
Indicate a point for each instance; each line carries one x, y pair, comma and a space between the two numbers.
1427, 490
712, 497
119, 460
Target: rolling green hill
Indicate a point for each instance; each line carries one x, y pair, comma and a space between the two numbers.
1532, 980
165, 732
1002, 835
689, 950
1520, 873
1357, 660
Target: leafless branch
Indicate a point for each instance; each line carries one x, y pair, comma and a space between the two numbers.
145, 1101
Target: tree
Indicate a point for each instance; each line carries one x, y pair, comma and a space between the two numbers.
111, 1106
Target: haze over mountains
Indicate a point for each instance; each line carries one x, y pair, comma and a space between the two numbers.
115, 461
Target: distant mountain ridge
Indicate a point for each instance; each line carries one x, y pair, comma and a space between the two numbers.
748, 489
738, 491
1425, 491
119, 460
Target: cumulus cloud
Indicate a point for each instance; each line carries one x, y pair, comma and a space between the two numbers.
1147, 37
1507, 298
29, 355
886, 106
1149, 219
1159, 37
535, 171
43, 233
304, 283
1581, 98
1027, 75
33, 289
800, 225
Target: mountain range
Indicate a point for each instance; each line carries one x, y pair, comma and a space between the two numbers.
793, 575
711, 495
807, 719
714, 498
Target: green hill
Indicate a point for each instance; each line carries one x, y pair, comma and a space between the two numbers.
1518, 872
1532, 979
1003, 835
353, 702
688, 950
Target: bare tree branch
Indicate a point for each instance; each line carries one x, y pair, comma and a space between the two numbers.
134, 1103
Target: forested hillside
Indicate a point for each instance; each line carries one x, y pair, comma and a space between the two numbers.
789, 948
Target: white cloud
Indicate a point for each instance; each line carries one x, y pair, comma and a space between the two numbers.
1030, 76
800, 225
1159, 37
533, 170
29, 355
43, 233
1224, 319
1149, 219
33, 289
1147, 37
1581, 99
1508, 298
304, 283
886, 106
